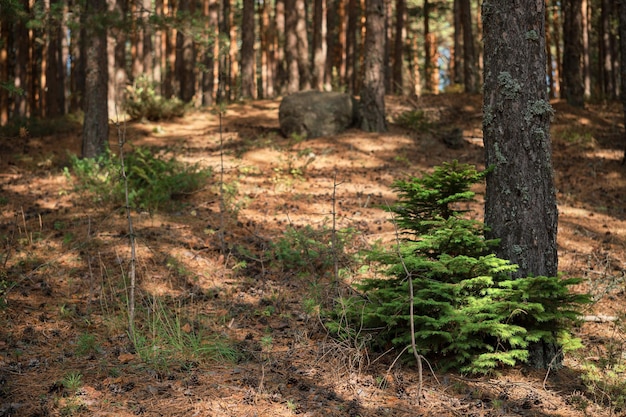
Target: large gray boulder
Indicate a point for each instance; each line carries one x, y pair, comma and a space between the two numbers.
316, 113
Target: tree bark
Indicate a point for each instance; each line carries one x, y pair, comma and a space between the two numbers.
470, 75
5, 33
373, 91
185, 57
457, 62
350, 51
520, 207
572, 88
55, 71
96, 122
398, 47
248, 53
291, 47
304, 62
622, 50
586, 53
319, 44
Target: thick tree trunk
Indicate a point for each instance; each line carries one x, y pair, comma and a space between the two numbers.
520, 206
373, 91
96, 122
248, 53
572, 88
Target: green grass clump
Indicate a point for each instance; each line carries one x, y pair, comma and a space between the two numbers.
468, 313
143, 102
154, 182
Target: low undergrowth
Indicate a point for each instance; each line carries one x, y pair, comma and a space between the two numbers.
468, 313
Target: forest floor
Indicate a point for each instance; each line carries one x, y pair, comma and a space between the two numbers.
232, 331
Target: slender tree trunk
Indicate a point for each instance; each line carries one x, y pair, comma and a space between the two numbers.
430, 54
622, 50
319, 44
185, 57
350, 59
398, 50
470, 75
55, 72
136, 40
148, 43
158, 48
586, 15
77, 65
606, 57
572, 88
265, 49
96, 121
209, 52
456, 58
304, 62
171, 86
291, 47
116, 50
37, 65
234, 76
332, 34
248, 53
373, 91
520, 207
5, 35
280, 71
556, 30
416, 80
549, 61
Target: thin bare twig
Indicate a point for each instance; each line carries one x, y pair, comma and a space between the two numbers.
121, 136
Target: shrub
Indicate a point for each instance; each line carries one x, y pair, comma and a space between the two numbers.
143, 102
154, 183
469, 313
414, 120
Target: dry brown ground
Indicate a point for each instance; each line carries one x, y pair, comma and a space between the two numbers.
64, 257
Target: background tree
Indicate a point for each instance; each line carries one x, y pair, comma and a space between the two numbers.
248, 61
572, 88
520, 205
622, 48
470, 75
373, 91
96, 122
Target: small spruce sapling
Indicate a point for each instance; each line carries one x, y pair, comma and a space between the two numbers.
468, 312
